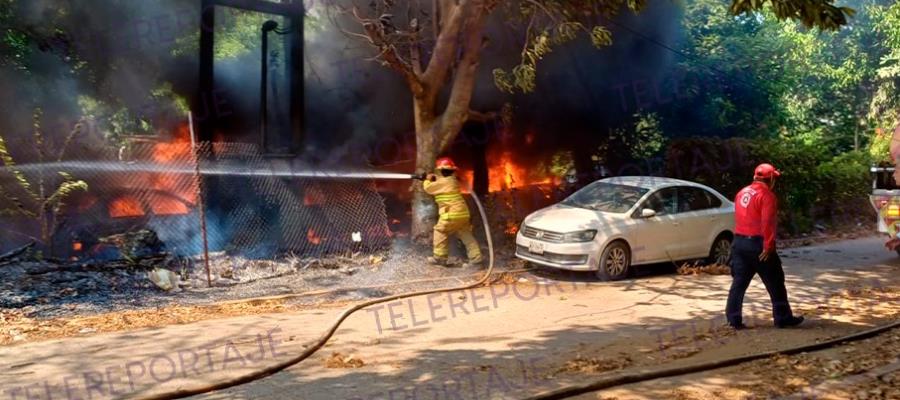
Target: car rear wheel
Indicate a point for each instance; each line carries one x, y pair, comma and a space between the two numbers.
720, 253
615, 262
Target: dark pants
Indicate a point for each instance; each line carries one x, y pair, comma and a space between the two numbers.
744, 265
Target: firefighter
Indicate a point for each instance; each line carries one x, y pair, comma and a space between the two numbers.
453, 214
754, 251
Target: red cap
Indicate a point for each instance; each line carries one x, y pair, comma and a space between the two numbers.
445, 163
766, 171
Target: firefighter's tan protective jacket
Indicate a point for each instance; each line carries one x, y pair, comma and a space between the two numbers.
449, 199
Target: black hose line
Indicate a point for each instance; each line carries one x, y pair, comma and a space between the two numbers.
562, 393
312, 349
641, 376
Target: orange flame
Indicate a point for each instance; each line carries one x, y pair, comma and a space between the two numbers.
313, 237
77, 246
313, 197
506, 174
167, 206
177, 149
125, 206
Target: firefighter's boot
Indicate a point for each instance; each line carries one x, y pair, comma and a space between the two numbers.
443, 261
474, 262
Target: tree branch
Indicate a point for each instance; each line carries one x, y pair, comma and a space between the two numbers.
435, 14
478, 116
415, 51
457, 111
446, 46
545, 9
389, 55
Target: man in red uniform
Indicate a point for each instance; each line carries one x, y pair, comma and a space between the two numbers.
753, 251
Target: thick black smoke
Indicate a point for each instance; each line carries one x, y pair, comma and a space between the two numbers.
120, 51
582, 92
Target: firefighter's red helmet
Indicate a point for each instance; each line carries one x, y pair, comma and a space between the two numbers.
445, 163
766, 171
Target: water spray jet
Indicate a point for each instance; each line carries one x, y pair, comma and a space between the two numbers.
74, 167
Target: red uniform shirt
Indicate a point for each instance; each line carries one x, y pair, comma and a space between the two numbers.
756, 213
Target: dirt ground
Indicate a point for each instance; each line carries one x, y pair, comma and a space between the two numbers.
290, 285
864, 370
650, 322
247, 287
573, 331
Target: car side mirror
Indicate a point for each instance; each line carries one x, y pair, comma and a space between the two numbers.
648, 213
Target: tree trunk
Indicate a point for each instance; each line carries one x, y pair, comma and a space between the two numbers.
435, 131
424, 211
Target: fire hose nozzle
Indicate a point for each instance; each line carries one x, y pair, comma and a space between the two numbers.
420, 176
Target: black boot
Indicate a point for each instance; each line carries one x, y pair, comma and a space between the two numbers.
738, 327
790, 322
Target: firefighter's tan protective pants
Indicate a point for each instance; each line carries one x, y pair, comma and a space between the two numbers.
462, 229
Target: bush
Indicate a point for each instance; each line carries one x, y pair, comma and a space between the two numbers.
720, 164
800, 185
813, 183
846, 179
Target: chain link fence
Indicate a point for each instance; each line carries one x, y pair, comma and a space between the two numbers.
252, 207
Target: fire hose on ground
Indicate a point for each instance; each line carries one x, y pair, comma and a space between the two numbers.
641, 376
318, 344
561, 393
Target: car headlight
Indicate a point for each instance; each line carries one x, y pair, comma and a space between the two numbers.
581, 236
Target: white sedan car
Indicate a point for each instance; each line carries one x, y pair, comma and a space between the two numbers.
615, 223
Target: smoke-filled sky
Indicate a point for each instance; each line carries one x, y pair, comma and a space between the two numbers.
123, 50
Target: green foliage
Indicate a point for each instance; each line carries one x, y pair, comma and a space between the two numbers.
14, 43
238, 33
644, 140
561, 163
813, 185
601, 37
773, 78
846, 178
648, 138
880, 147
800, 185
43, 202
820, 14
884, 108
553, 23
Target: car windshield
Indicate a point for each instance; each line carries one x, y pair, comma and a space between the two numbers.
606, 197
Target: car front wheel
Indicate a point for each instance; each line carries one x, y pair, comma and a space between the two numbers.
615, 262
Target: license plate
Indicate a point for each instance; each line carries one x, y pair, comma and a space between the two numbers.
536, 248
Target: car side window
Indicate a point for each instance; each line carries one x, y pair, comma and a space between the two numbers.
714, 201
695, 199
692, 199
663, 202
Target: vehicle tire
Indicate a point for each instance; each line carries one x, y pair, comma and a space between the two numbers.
615, 262
720, 252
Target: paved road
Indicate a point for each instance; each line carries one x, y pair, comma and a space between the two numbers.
499, 342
